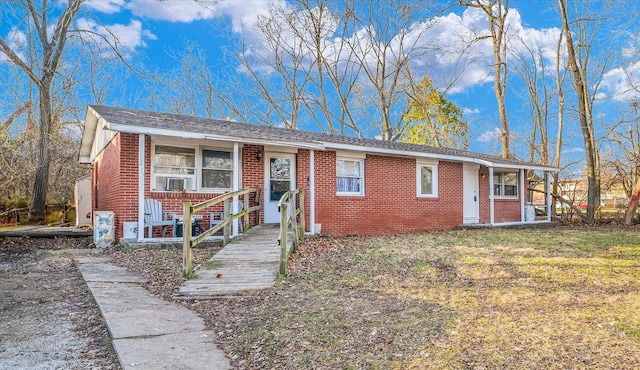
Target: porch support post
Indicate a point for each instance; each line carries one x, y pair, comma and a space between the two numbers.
492, 218
523, 192
547, 193
236, 186
141, 159
312, 192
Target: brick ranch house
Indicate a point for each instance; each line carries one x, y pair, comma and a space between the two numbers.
353, 185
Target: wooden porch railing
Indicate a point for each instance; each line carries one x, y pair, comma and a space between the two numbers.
189, 241
291, 206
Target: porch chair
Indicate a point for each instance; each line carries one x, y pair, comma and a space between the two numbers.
153, 216
217, 217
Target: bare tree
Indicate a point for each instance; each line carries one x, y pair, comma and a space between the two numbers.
386, 40
51, 47
624, 161
335, 74
560, 76
530, 65
497, 11
190, 88
579, 65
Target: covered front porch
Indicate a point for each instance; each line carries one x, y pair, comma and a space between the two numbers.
270, 169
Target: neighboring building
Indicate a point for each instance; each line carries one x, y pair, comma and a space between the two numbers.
576, 190
353, 186
82, 201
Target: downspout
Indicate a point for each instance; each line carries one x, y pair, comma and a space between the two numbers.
236, 187
492, 217
312, 192
522, 193
547, 193
141, 160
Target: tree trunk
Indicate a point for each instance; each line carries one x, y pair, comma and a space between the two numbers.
41, 182
593, 191
633, 204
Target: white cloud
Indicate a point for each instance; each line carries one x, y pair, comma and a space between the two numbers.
17, 41
173, 10
243, 14
490, 136
573, 150
470, 111
623, 84
126, 37
105, 6
467, 63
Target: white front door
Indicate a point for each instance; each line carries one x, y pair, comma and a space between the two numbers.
279, 177
470, 206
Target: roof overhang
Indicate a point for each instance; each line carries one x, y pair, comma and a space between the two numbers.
483, 162
88, 135
93, 120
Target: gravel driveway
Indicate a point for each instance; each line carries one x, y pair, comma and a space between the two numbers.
49, 319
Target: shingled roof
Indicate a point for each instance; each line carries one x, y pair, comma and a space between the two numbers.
139, 121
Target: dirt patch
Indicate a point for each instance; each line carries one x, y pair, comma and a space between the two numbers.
49, 319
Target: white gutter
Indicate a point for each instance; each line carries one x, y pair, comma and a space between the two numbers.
316, 145
321, 146
456, 158
141, 159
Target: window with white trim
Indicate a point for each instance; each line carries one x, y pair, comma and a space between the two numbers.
427, 180
176, 168
217, 169
505, 184
349, 176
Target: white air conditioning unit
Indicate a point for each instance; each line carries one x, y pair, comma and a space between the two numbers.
176, 184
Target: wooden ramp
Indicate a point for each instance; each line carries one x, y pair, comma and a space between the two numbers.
249, 262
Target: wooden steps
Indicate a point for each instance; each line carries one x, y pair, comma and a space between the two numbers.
249, 262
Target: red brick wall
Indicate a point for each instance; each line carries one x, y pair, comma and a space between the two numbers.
253, 176
106, 181
390, 203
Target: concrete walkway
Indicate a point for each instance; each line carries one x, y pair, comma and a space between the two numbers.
249, 262
148, 332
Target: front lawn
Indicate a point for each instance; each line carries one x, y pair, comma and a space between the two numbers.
536, 298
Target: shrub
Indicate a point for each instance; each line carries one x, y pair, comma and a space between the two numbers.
54, 217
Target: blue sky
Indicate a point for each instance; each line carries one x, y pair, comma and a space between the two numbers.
149, 30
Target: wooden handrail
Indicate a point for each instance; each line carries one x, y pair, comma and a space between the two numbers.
295, 219
188, 241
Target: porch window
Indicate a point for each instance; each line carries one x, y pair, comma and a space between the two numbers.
174, 168
505, 184
217, 169
349, 176
427, 180
191, 168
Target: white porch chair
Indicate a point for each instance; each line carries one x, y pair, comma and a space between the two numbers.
153, 216
217, 217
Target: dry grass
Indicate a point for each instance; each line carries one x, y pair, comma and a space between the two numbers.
553, 298
539, 298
